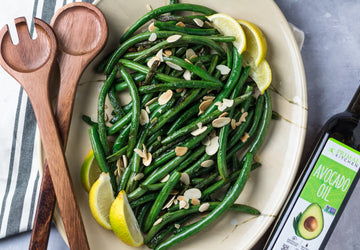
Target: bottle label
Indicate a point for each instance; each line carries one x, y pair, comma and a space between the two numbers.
321, 197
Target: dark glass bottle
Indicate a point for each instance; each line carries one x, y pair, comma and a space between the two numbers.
324, 187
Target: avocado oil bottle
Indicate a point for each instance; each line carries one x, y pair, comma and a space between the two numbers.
322, 191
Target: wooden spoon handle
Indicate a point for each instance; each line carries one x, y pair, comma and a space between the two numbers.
69, 75
64, 191
44, 212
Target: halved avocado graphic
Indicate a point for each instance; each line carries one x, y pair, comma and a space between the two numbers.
309, 224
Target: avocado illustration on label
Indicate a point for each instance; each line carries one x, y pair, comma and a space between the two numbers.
309, 224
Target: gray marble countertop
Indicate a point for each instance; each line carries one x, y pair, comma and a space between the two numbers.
331, 55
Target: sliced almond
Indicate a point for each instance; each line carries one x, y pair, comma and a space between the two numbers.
167, 53
180, 151
153, 100
125, 161
169, 204
224, 70
148, 159
177, 226
192, 193
199, 131
185, 179
204, 106
207, 163
151, 27
195, 201
228, 102
159, 54
120, 165
213, 146
144, 117
189, 53
187, 75
148, 7
223, 114
199, 22
208, 97
174, 66
158, 221
147, 109
165, 179
152, 37
245, 137
180, 24
233, 123
188, 61
165, 97
242, 118
192, 57
179, 90
173, 38
221, 122
203, 207
206, 141
183, 204
138, 176
208, 24
152, 60
139, 152
158, 138
220, 105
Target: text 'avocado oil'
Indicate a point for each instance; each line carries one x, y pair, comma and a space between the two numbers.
327, 181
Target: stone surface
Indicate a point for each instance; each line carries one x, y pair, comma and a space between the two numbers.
331, 55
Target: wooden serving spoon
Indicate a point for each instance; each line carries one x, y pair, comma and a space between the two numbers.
30, 62
82, 31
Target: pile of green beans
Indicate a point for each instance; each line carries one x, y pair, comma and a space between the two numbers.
154, 187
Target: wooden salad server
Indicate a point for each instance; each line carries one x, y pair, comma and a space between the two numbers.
82, 31
31, 62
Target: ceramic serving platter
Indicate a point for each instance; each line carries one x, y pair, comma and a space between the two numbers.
269, 185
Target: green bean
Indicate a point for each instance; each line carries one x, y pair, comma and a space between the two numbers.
121, 139
196, 165
124, 179
135, 112
144, 210
174, 111
192, 68
162, 10
229, 199
176, 85
98, 150
186, 30
143, 69
186, 19
190, 159
119, 124
224, 131
184, 118
115, 103
101, 111
143, 199
207, 181
264, 126
150, 75
160, 200
115, 156
213, 64
88, 120
169, 166
152, 187
203, 119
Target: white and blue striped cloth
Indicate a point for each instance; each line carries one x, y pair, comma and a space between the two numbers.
19, 176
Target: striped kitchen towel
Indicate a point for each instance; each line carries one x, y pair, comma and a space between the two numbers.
19, 176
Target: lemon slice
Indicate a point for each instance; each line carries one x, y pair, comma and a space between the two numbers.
256, 46
90, 171
123, 221
261, 74
101, 197
228, 26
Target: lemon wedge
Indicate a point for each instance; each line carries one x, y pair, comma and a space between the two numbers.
123, 221
90, 171
101, 197
228, 26
262, 75
256, 46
